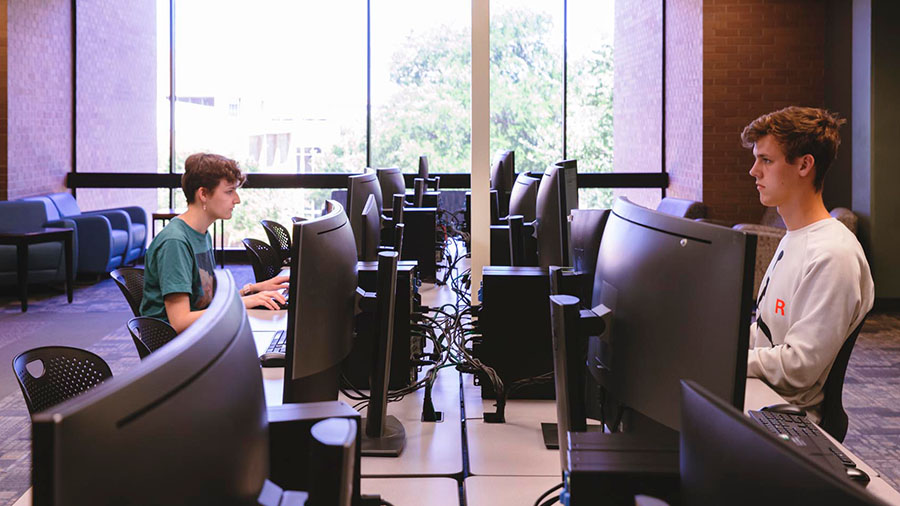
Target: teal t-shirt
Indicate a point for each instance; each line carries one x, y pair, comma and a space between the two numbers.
179, 260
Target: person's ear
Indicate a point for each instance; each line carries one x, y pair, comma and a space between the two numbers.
807, 164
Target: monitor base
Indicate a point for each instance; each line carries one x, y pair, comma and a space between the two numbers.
390, 444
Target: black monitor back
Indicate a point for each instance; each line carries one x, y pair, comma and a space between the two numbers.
557, 196
423, 167
323, 294
726, 458
680, 295
186, 425
523, 198
370, 228
391, 182
359, 187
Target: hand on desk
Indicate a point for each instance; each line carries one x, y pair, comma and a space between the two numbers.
268, 299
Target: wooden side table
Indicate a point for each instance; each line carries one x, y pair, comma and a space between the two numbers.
21, 238
165, 215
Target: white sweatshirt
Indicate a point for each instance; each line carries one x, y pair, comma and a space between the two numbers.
816, 291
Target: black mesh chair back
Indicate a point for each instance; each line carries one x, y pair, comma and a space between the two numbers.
265, 260
279, 239
149, 334
52, 374
131, 281
834, 418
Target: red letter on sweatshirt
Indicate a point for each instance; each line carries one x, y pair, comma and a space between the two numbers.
779, 305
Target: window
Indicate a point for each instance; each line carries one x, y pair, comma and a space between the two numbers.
526, 81
259, 82
421, 80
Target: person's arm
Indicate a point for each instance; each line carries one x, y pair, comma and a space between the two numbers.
270, 285
827, 302
178, 310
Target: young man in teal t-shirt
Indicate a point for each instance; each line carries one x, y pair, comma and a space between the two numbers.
178, 273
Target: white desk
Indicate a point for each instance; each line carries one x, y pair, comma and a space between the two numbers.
413, 491
397, 491
502, 490
432, 449
514, 448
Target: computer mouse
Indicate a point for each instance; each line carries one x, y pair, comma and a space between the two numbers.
858, 475
272, 359
786, 409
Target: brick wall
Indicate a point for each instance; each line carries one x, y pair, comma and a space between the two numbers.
684, 99
3, 94
39, 100
637, 93
116, 97
758, 56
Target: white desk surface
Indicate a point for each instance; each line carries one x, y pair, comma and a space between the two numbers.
397, 491
514, 448
432, 449
502, 490
414, 491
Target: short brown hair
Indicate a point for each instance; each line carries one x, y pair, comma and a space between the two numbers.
205, 170
800, 131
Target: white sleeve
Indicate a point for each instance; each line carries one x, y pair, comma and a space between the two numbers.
827, 302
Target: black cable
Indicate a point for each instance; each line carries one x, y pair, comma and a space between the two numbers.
547, 493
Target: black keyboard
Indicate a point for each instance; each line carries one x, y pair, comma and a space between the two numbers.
806, 437
277, 345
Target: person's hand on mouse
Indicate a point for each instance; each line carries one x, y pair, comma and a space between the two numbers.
269, 299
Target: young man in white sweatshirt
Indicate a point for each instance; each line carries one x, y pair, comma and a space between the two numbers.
818, 287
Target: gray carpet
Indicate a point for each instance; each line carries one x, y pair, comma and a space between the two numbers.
96, 321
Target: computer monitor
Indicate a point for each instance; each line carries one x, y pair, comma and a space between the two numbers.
320, 321
186, 425
680, 296
423, 167
359, 187
726, 458
523, 197
503, 176
383, 436
391, 182
370, 231
557, 196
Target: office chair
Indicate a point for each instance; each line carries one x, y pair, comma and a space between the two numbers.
834, 418
279, 239
62, 373
149, 334
264, 259
131, 281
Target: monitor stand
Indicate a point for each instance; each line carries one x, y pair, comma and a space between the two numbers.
389, 444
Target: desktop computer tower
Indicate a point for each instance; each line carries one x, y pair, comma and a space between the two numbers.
614, 467
419, 242
514, 322
358, 365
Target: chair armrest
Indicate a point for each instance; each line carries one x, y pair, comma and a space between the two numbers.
68, 223
95, 242
136, 213
117, 219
